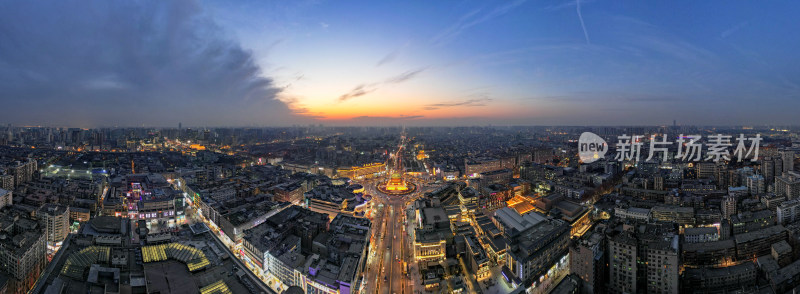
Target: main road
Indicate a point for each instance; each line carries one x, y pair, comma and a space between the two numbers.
392, 244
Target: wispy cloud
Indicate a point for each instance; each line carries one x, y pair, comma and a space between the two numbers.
324, 25
297, 108
565, 5
471, 19
388, 58
607, 97
358, 91
646, 38
401, 117
364, 89
274, 44
295, 79
734, 29
405, 76
392, 55
583, 25
474, 102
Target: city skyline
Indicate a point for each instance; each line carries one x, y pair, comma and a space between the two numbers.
315, 209
250, 63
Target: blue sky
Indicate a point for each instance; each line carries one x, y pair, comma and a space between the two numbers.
428, 62
632, 62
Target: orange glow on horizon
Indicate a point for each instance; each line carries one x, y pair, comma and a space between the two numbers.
402, 105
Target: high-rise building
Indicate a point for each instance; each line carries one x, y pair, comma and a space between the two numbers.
788, 185
622, 269
788, 211
536, 243
787, 156
23, 171
23, 253
6, 198
55, 221
768, 169
705, 170
586, 261
756, 185
7, 182
658, 183
660, 255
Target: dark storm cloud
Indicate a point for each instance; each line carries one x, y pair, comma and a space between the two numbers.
128, 63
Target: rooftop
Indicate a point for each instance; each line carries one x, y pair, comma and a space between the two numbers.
711, 273
760, 234
782, 247
512, 220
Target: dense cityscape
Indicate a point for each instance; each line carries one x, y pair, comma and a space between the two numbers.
315, 209
399, 147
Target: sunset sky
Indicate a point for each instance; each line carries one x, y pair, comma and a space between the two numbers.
258, 63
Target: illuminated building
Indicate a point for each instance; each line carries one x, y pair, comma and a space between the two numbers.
334, 199
292, 193
521, 204
263, 242
468, 195
494, 196
142, 196
78, 214
497, 176
477, 260
536, 243
474, 167
429, 246
281, 247
680, 215
360, 172
432, 235
396, 183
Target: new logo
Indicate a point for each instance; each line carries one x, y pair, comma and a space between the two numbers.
591, 147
